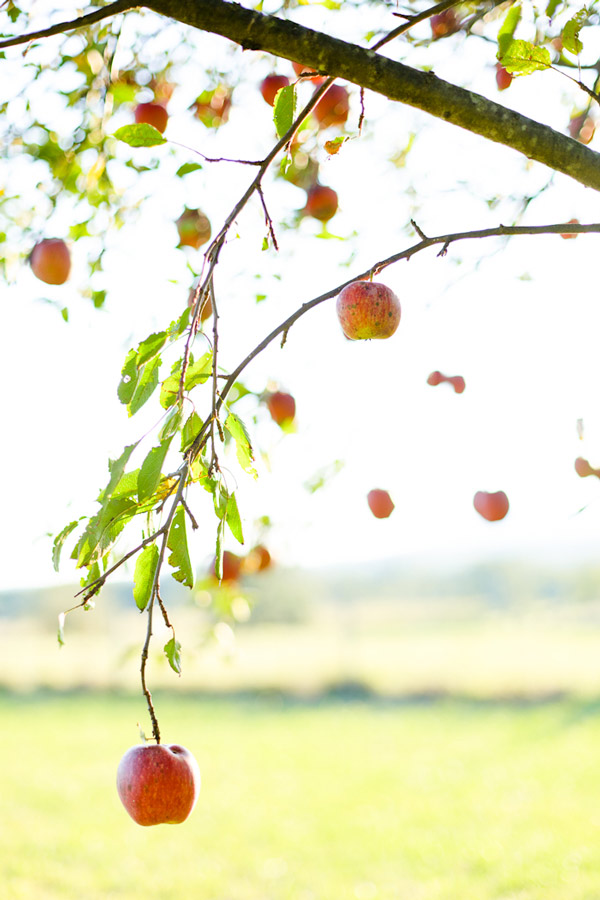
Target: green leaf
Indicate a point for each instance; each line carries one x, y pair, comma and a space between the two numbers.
59, 541
508, 28
219, 551
169, 390
146, 385
239, 433
171, 424
173, 654
284, 109
150, 347
177, 327
199, 372
126, 487
570, 33
129, 378
143, 577
523, 58
190, 430
116, 467
103, 530
186, 168
177, 544
232, 517
552, 7
150, 472
140, 135
65, 313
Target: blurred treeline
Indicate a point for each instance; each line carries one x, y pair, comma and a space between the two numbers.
284, 595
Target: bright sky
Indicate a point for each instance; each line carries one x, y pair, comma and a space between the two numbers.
517, 319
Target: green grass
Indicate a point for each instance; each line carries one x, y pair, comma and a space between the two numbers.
446, 801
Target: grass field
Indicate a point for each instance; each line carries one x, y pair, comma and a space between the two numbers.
306, 801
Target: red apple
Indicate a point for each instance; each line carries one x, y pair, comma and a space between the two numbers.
567, 236
193, 228
492, 507
282, 407
445, 23
321, 203
232, 566
152, 114
380, 503
270, 85
367, 310
299, 69
503, 78
158, 783
333, 107
50, 261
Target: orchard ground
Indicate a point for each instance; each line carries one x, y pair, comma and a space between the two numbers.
378, 748
318, 800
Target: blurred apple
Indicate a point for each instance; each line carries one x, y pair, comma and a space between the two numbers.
444, 23
436, 378
270, 85
333, 107
206, 311
380, 503
582, 127
257, 560
158, 783
567, 236
492, 507
50, 261
457, 381
368, 310
193, 228
503, 78
583, 468
232, 566
321, 203
282, 407
299, 69
152, 114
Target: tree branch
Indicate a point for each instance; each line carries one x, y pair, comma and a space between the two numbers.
106, 12
423, 244
423, 90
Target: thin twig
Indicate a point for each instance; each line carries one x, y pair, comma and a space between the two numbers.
413, 20
106, 12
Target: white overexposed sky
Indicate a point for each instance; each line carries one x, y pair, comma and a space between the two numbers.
518, 319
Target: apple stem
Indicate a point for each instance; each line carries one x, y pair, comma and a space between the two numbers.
144, 660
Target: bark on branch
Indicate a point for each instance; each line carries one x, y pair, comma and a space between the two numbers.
457, 106
422, 90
